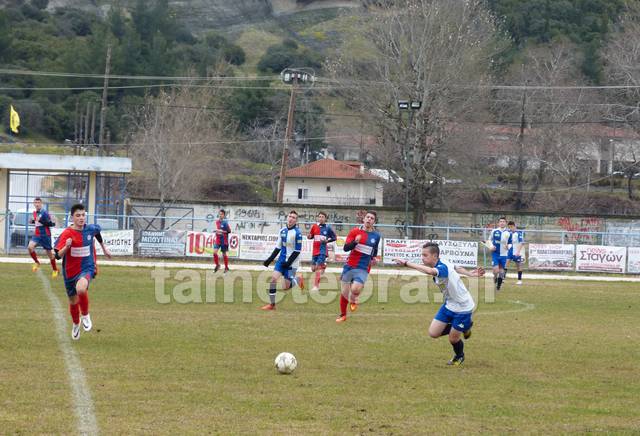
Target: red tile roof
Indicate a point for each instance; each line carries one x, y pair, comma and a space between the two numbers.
331, 169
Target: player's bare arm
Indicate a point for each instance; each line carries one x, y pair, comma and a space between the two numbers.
422, 268
67, 244
479, 272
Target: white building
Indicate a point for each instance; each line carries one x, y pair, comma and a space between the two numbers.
333, 182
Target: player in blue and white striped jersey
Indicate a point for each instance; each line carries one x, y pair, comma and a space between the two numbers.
516, 249
287, 251
454, 317
500, 252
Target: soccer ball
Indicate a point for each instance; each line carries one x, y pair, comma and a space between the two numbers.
286, 363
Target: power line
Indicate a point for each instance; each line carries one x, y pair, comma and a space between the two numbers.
165, 85
134, 77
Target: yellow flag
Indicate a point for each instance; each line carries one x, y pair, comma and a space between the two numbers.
14, 119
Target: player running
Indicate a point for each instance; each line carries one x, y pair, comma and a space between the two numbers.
287, 251
500, 252
75, 248
222, 241
42, 236
516, 249
454, 317
322, 234
362, 242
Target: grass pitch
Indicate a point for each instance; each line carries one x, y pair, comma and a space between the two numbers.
546, 357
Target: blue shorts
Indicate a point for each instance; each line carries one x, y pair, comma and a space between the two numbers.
287, 273
224, 248
516, 259
44, 241
460, 321
320, 259
70, 284
497, 260
350, 275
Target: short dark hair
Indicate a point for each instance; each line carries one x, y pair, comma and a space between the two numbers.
222, 210
373, 212
322, 213
77, 207
432, 247
37, 199
511, 223
294, 212
502, 218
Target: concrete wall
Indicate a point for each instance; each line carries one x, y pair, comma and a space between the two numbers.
261, 218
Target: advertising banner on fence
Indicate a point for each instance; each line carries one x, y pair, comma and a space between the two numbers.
462, 253
552, 257
256, 246
633, 260
200, 244
601, 258
119, 242
162, 243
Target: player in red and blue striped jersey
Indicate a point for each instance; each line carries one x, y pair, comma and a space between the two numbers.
222, 241
362, 242
75, 246
322, 234
42, 236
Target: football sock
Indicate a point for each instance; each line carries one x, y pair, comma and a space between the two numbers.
519, 275
458, 348
53, 264
499, 282
343, 305
226, 260
74, 310
505, 272
272, 293
34, 256
446, 330
316, 281
293, 282
83, 300
216, 259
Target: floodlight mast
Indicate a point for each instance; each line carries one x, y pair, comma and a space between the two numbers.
413, 106
293, 77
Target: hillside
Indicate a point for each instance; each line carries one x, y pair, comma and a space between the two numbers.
200, 15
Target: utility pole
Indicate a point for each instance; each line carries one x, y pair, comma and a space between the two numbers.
288, 135
92, 133
521, 163
103, 108
292, 77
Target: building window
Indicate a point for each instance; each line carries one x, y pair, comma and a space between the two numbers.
328, 188
372, 201
303, 193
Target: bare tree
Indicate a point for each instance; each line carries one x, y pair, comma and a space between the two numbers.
267, 148
437, 52
622, 57
174, 138
546, 145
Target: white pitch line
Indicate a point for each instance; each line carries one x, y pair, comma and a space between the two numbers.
632, 278
83, 404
